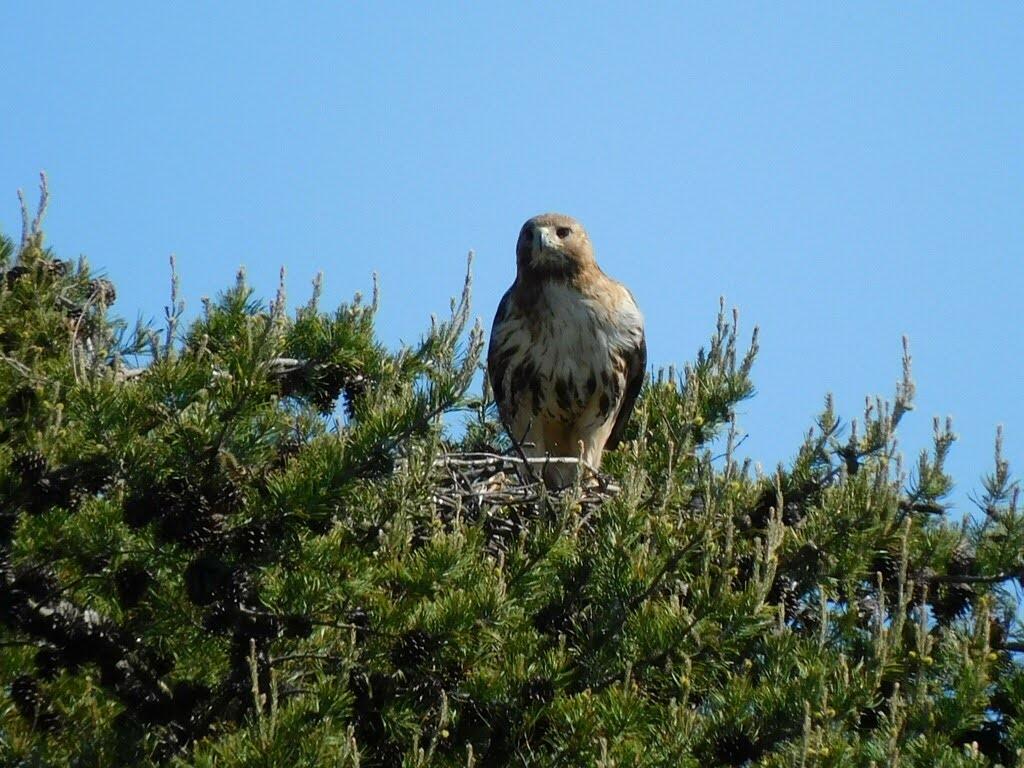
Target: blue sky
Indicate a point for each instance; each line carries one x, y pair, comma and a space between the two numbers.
843, 175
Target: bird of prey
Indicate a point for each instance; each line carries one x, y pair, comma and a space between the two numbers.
567, 353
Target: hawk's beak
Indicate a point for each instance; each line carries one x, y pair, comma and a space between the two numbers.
542, 239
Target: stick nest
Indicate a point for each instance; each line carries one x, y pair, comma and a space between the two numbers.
507, 492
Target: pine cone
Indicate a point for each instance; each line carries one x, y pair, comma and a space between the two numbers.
808, 560
744, 571
132, 582
32, 467
193, 528
785, 592
102, 290
953, 599
143, 507
86, 478
327, 382
208, 578
950, 601
37, 581
413, 649
962, 562
354, 390
26, 696
426, 691
31, 704
887, 564
45, 494
225, 496
251, 541
48, 662
15, 273
792, 513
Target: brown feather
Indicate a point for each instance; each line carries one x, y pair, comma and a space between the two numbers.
567, 353
636, 366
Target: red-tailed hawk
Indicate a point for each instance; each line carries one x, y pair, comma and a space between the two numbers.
567, 353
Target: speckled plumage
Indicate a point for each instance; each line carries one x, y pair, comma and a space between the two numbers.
567, 352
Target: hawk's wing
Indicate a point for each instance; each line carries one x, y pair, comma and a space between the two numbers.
498, 356
636, 368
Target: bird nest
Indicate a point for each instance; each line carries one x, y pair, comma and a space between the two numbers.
506, 492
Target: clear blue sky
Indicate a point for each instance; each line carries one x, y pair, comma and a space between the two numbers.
844, 176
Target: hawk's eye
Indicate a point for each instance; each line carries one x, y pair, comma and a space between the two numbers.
563, 232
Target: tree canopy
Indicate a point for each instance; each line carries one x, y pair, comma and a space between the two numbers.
263, 538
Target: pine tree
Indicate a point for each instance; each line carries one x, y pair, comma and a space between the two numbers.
258, 540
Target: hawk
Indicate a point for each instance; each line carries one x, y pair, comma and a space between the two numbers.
567, 353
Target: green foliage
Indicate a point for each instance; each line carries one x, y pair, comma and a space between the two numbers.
203, 565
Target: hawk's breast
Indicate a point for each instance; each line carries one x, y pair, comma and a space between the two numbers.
564, 352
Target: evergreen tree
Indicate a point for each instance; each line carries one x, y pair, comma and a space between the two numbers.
252, 541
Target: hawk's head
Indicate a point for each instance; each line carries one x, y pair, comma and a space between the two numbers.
553, 245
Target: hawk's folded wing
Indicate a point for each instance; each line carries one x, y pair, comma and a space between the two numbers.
636, 368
